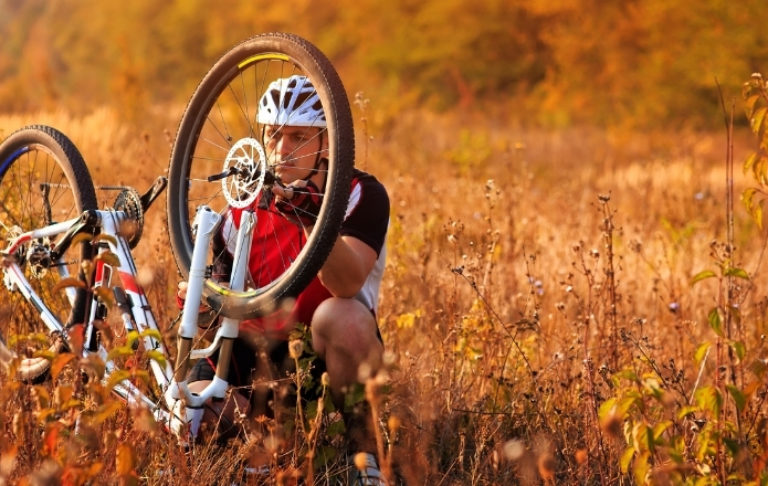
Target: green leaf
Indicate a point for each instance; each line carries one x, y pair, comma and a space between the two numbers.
759, 117
750, 102
627, 374
642, 468
44, 353
736, 272
156, 355
709, 399
703, 275
733, 446
324, 455
659, 429
739, 348
335, 429
131, 338
759, 165
738, 397
715, 322
105, 411
756, 120
119, 351
153, 333
626, 459
632, 397
685, 411
749, 167
117, 377
606, 407
757, 215
748, 196
142, 375
701, 352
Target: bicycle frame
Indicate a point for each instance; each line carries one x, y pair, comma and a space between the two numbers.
182, 411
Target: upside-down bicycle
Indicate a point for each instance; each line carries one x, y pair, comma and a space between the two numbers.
65, 261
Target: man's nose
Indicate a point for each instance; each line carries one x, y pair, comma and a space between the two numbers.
284, 148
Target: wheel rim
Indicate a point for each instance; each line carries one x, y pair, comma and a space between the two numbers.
222, 122
35, 191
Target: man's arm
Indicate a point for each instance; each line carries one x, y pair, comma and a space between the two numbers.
347, 266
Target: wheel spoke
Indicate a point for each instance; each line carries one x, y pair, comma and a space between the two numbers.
221, 130
46, 180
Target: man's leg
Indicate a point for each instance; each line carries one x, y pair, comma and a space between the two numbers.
345, 336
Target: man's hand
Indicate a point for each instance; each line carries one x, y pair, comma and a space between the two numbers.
299, 202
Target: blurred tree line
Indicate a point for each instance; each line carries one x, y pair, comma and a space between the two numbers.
553, 62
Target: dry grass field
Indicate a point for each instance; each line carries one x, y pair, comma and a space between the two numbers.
538, 312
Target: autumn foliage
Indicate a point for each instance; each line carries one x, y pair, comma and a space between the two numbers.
574, 290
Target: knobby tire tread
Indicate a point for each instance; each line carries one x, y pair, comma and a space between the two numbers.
325, 79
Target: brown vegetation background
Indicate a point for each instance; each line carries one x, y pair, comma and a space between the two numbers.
557, 172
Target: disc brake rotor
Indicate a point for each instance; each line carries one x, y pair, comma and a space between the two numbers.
247, 162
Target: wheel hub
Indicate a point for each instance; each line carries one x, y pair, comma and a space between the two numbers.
39, 257
248, 163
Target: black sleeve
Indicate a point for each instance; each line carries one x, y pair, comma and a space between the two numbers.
368, 217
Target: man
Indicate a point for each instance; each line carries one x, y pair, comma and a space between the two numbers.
340, 304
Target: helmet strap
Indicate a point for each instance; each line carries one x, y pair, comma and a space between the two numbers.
319, 162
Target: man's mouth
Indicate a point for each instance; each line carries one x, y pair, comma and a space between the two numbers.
286, 164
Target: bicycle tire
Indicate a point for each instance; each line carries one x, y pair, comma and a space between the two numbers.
31, 158
237, 79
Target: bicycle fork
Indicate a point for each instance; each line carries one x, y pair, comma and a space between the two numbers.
207, 223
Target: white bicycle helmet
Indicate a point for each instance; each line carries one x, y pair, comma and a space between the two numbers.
291, 101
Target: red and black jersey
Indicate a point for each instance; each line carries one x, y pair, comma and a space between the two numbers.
277, 241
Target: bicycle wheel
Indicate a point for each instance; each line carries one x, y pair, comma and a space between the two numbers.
220, 134
43, 180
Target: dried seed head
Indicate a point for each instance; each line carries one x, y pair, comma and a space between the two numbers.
546, 465
389, 358
271, 443
145, 276
581, 456
393, 424
361, 461
364, 372
7, 462
295, 348
513, 449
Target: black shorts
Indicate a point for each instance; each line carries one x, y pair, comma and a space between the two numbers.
251, 376
247, 371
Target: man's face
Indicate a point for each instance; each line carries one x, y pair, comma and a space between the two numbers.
292, 151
